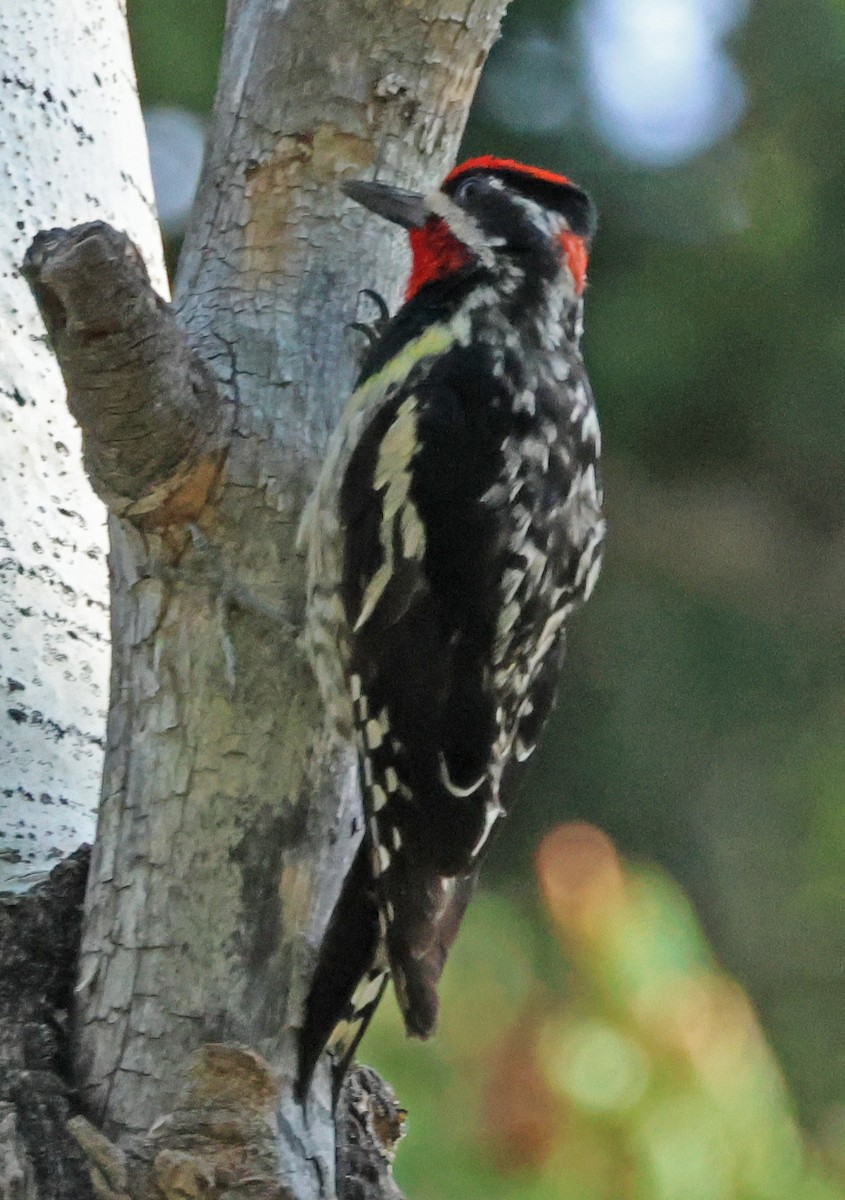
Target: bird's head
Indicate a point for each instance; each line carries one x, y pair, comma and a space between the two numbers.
489, 212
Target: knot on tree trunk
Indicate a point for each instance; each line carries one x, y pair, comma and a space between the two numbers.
222, 1139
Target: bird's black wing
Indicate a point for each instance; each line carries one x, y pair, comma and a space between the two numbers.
426, 549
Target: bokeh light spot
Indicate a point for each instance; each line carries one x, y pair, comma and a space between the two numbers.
580, 874
528, 85
663, 86
594, 1064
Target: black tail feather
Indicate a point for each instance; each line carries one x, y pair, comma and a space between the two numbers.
351, 972
348, 952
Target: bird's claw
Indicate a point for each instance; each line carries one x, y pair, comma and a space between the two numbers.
372, 330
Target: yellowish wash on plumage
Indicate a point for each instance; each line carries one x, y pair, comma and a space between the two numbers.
395, 454
433, 342
413, 532
364, 402
392, 474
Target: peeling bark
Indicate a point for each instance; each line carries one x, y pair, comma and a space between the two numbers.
370, 1124
39, 938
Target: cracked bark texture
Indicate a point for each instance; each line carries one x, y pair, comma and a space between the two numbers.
220, 1140
73, 149
227, 819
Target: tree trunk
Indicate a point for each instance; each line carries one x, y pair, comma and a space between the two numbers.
72, 146
228, 817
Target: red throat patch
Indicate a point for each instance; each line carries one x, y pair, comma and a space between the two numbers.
436, 253
575, 252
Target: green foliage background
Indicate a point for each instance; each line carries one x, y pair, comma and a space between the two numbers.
700, 724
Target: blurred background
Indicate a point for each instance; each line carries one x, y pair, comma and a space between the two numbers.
657, 1010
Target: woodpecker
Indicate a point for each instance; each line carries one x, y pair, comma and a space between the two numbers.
456, 524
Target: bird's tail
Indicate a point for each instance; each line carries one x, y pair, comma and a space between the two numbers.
356, 960
349, 979
426, 916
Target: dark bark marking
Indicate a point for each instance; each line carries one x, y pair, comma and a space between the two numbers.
39, 939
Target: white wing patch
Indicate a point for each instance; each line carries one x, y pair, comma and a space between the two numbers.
454, 788
392, 478
321, 536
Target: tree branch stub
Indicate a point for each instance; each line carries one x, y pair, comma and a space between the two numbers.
153, 420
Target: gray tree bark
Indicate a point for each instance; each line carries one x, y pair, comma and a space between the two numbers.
227, 816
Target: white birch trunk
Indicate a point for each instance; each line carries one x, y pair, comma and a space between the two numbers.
73, 149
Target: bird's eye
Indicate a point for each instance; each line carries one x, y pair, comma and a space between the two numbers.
467, 190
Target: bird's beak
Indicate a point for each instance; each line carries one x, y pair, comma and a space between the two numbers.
408, 209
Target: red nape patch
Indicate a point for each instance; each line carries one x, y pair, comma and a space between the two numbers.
488, 163
575, 250
437, 253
